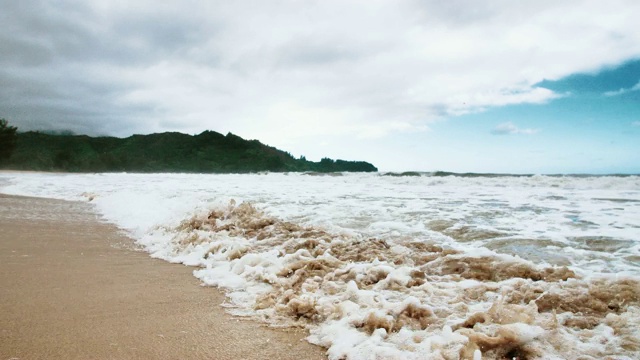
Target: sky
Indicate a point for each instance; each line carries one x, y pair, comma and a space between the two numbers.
517, 86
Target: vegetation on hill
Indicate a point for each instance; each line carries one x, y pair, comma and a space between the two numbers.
208, 152
7, 140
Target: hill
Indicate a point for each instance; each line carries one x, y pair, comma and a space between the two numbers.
208, 152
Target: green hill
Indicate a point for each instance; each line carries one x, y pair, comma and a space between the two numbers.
208, 152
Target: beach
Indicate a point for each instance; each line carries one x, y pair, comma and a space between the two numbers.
372, 266
75, 287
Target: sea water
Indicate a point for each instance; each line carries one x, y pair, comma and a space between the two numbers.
385, 267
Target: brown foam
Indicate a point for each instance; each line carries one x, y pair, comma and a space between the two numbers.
440, 225
469, 233
601, 243
373, 322
412, 317
492, 269
364, 251
601, 298
506, 344
298, 308
530, 294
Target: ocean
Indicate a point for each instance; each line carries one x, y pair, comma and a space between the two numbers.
396, 267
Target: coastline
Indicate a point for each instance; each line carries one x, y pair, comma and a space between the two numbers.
74, 287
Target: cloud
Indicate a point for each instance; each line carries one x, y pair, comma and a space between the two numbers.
636, 87
508, 128
321, 68
635, 123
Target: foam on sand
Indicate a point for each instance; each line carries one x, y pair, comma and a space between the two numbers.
404, 298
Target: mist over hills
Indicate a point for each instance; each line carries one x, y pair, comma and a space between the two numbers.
207, 152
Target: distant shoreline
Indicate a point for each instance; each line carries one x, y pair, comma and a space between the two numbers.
170, 152
380, 173
473, 174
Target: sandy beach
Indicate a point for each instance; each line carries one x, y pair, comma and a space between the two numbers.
72, 287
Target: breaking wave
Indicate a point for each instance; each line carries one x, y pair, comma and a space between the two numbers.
405, 298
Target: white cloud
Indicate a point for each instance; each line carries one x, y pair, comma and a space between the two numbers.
635, 123
621, 91
282, 70
508, 128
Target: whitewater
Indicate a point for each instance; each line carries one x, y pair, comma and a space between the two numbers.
392, 267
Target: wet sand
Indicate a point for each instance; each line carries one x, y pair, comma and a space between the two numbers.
72, 287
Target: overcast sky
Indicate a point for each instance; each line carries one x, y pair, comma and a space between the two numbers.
487, 86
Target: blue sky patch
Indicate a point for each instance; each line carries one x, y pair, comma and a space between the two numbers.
612, 79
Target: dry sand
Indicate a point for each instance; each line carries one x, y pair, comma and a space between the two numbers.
72, 287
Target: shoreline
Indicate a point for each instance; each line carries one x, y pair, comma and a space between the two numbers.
74, 287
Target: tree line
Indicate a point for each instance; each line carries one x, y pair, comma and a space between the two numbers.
207, 152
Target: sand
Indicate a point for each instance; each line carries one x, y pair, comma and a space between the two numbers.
72, 287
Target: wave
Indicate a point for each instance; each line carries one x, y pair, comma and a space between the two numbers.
402, 298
